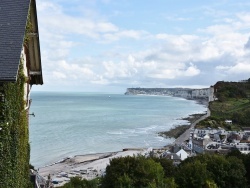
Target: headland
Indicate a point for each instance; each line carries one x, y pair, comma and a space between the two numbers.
202, 95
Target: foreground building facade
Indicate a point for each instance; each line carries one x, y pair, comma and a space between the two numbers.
20, 68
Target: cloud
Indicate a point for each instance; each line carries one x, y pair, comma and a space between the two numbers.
244, 17
174, 73
54, 19
58, 75
239, 68
72, 25
176, 18
247, 45
210, 11
124, 34
92, 50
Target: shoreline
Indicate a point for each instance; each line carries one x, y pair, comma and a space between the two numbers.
178, 130
90, 166
87, 166
183, 130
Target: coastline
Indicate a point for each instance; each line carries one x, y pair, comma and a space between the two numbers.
90, 166
193, 119
178, 130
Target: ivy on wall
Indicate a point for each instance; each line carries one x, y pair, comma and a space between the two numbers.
29, 29
1, 104
14, 135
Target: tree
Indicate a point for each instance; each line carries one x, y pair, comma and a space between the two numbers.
77, 182
236, 175
133, 172
168, 166
225, 172
192, 175
210, 184
245, 159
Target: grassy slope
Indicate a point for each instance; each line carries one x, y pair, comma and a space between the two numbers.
233, 103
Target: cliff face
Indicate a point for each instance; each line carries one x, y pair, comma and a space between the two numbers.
151, 91
205, 93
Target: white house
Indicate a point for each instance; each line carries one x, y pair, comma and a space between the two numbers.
182, 154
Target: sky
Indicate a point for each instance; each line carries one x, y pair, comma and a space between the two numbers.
110, 45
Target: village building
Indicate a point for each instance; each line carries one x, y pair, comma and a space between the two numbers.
219, 140
182, 154
243, 147
227, 121
176, 148
246, 130
199, 143
172, 156
234, 137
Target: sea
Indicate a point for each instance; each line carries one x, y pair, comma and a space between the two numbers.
68, 124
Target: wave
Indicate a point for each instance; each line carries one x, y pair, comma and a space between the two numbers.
115, 132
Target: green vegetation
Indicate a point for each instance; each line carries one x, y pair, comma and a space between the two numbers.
133, 172
29, 29
175, 132
14, 140
204, 171
233, 103
220, 170
77, 182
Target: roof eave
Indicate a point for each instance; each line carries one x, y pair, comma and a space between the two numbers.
34, 47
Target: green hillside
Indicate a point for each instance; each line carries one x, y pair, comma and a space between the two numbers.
233, 102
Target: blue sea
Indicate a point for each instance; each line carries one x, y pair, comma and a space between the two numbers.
68, 124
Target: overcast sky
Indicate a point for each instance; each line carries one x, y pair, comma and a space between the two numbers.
109, 45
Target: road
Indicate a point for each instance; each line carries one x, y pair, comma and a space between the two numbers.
186, 134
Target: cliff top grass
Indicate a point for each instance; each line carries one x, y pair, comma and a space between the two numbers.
233, 103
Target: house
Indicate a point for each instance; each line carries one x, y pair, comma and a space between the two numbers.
227, 121
172, 156
246, 129
199, 143
234, 137
246, 138
182, 154
177, 148
19, 44
243, 147
206, 131
20, 68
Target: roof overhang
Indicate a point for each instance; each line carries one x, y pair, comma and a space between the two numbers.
35, 73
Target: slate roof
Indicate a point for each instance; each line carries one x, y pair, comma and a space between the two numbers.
172, 156
13, 16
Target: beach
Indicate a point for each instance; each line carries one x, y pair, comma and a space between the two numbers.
86, 166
